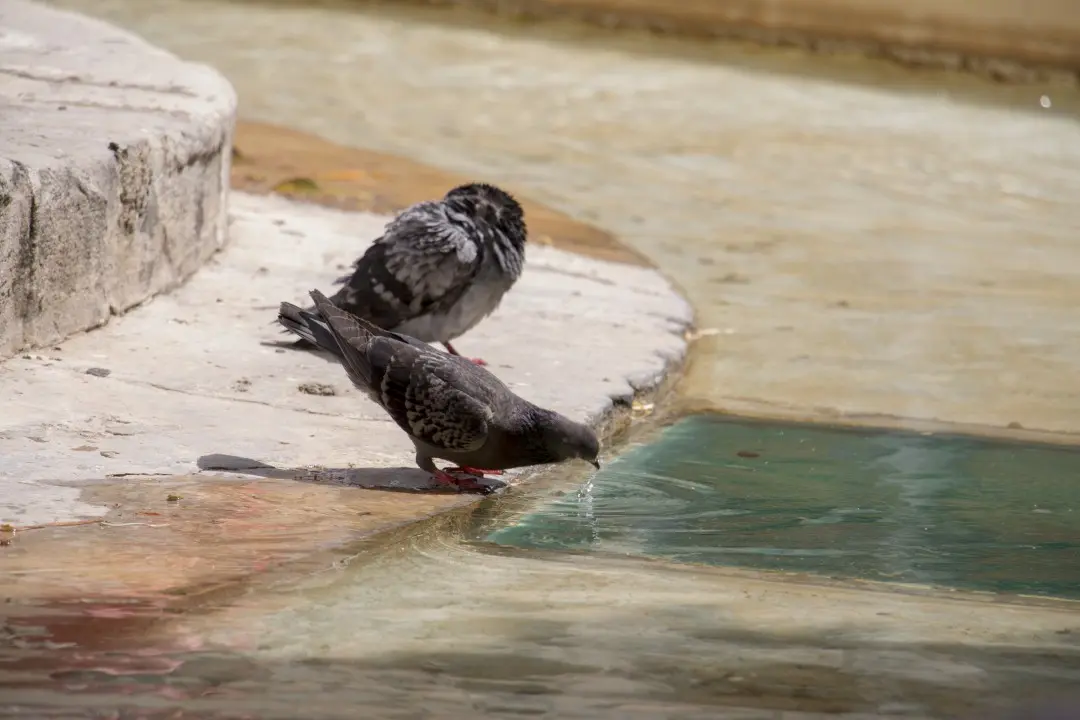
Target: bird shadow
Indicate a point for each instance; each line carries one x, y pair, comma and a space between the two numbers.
389, 479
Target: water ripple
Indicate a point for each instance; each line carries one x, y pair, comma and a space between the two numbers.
897, 506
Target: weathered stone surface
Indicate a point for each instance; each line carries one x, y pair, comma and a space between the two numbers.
196, 383
114, 162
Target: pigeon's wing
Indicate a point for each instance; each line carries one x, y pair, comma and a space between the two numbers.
423, 261
425, 391
373, 292
426, 399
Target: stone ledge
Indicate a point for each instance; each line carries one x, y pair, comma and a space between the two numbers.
193, 395
113, 172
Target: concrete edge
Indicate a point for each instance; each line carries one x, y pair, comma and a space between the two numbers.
118, 452
614, 426
94, 223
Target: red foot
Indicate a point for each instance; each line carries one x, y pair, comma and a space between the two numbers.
465, 484
453, 351
476, 471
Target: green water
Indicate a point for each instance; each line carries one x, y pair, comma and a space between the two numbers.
937, 509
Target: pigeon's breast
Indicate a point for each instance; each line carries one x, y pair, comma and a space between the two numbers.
444, 324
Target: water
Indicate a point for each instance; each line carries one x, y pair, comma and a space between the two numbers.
425, 622
928, 509
429, 626
865, 238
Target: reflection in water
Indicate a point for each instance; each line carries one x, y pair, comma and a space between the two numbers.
920, 472
439, 628
890, 506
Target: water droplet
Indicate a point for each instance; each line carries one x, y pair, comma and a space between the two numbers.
1045, 101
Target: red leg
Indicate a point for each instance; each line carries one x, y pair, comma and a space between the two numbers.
476, 471
452, 351
444, 478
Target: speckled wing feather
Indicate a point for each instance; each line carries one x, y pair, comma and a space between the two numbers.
423, 261
430, 406
426, 392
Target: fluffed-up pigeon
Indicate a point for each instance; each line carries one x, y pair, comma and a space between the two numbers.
441, 266
451, 408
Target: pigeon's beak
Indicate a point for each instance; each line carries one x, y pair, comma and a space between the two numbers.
595, 464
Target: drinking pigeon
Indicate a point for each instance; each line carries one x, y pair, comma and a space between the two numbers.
451, 408
440, 266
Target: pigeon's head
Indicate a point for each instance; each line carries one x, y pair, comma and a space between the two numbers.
567, 440
492, 205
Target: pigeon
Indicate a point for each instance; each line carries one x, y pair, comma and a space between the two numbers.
440, 266
450, 407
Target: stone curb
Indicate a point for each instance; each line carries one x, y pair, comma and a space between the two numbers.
114, 172
190, 418
200, 381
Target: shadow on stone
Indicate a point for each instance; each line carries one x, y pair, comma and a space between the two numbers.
392, 479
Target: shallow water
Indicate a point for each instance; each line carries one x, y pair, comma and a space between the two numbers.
916, 508
607, 612
439, 628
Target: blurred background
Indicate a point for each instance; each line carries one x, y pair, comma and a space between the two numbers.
864, 188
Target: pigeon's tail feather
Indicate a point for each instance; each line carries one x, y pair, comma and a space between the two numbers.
309, 327
310, 310
351, 335
324, 305
301, 341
